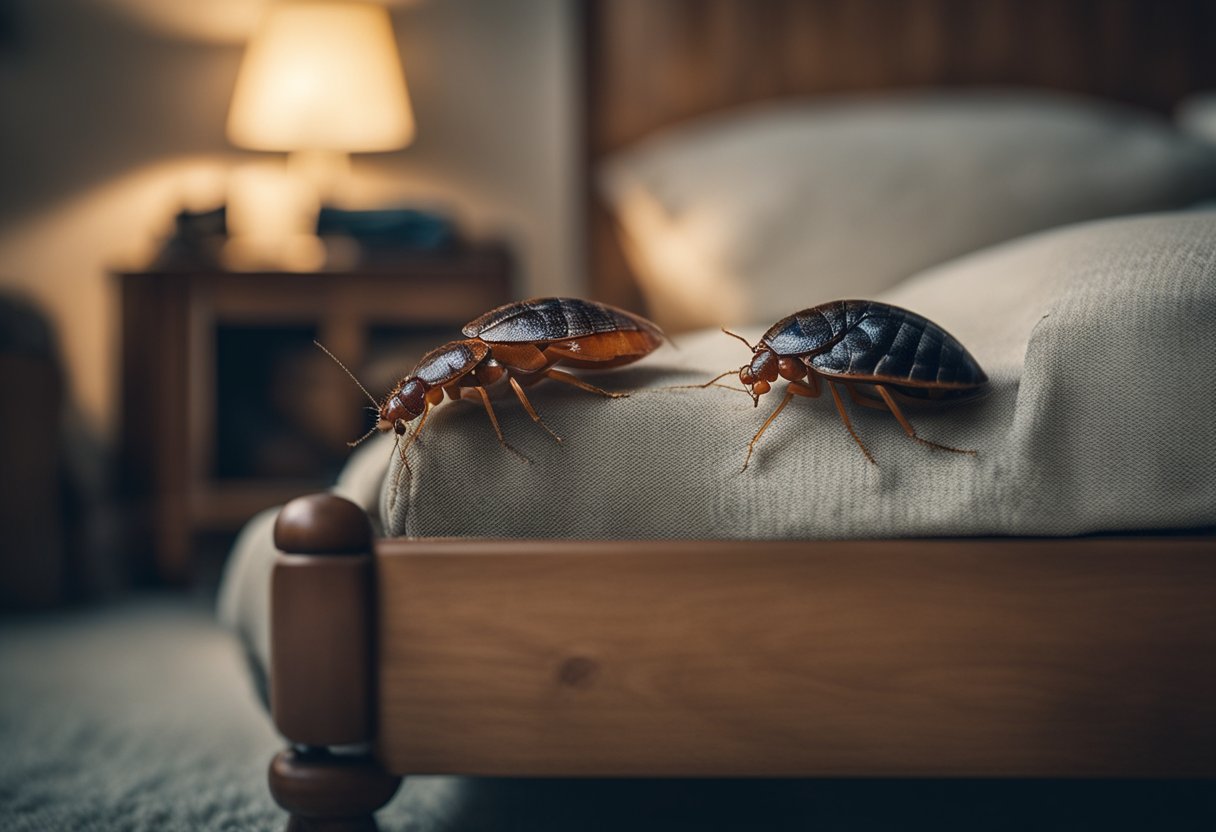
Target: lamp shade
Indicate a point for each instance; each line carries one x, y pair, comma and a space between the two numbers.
322, 76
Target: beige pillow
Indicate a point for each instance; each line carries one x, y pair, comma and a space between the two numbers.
744, 216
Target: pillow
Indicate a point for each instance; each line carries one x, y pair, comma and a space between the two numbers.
1098, 342
744, 216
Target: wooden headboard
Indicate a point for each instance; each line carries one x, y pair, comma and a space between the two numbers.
651, 63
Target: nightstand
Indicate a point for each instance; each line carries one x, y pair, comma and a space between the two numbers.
228, 407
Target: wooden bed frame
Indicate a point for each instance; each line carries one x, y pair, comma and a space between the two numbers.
1090, 657
1093, 657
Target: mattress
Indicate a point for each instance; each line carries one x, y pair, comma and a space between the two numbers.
1097, 341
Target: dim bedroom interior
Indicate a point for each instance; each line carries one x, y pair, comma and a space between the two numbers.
626, 630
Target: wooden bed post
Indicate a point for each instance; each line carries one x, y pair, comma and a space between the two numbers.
321, 668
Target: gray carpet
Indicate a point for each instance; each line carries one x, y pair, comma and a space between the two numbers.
135, 717
142, 717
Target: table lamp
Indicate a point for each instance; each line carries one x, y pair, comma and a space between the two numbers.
319, 80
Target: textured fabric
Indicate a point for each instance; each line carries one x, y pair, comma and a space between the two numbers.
745, 216
1098, 342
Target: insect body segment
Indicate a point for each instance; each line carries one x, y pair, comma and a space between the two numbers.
555, 319
880, 354
424, 386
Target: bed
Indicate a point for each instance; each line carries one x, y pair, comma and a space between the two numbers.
534, 621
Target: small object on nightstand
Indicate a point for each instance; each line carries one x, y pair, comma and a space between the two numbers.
197, 238
389, 231
345, 240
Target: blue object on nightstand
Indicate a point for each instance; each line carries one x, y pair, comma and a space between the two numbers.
386, 230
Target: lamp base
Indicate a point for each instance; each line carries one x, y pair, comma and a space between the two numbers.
323, 170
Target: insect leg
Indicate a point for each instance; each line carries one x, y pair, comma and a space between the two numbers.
405, 463
907, 426
426, 411
844, 417
863, 400
400, 449
467, 392
751, 446
523, 399
810, 383
575, 381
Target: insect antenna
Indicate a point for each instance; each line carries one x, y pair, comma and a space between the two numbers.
357, 442
713, 382
375, 408
370, 397
734, 335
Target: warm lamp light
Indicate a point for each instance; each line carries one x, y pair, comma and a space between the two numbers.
322, 76
319, 80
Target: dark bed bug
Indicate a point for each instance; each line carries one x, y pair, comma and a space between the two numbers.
521, 343
880, 354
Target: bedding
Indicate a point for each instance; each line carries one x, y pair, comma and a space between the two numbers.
744, 216
1097, 340
1096, 337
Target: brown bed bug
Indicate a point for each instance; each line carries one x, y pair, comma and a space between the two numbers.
880, 354
520, 343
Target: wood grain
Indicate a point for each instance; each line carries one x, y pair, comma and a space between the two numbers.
321, 648
1091, 657
652, 63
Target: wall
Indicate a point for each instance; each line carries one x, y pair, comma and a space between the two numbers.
112, 115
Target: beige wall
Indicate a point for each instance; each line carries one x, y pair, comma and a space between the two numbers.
112, 114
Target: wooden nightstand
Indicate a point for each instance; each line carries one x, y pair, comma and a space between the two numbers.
228, 408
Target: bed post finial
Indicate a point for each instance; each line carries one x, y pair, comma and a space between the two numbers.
321, 667
322, 524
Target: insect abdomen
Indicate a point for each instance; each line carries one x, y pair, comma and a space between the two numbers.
814, 329
893, 344
552, 319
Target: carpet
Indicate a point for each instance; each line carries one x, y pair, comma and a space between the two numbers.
141, 716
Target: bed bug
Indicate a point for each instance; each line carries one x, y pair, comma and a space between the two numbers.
862, 346
520, 343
